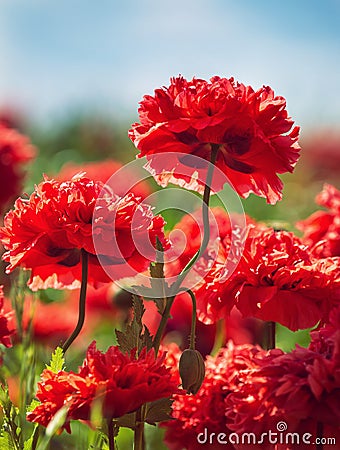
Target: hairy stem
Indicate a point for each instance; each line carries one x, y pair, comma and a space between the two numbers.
82, 298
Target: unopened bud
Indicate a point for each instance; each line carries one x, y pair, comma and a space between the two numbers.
191, 370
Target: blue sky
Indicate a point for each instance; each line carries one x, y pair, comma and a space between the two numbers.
60, 56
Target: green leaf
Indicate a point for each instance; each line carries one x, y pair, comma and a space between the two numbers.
31, 407
136, 335
57, 361
28, 443
158, 411
6, 442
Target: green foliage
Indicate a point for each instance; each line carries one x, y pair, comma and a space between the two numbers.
136, 335
57, 361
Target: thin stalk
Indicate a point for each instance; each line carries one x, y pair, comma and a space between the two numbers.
205, 241
193, 318
139, 430
82, 298
110, 427
219, 337
205, 215
270, 331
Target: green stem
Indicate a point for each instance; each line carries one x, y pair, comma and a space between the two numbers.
270, 331
139, 430
205, 215
82, 298
219, 337
110, 427
162, 324
205, 241
193, 317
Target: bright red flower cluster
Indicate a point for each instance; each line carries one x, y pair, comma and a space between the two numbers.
206, 409
322, 229
277, 279
301, 388
255, 136
47, 231
119, 382
15, 150
247, 389
5, 329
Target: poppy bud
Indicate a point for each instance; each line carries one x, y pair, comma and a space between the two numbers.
191, 370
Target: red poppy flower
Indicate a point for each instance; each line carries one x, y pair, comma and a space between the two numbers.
46, 232
5, 329
322, 229
255, 136
121, 383
15, 150
277, 280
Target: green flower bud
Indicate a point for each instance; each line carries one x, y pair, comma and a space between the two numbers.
191, 370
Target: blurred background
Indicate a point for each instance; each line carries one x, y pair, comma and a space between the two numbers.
73, 72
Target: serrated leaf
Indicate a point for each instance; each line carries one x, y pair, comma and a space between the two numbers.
31, 407
6, 442
57, 361
28, 443
136, 335
127, 421
158, 411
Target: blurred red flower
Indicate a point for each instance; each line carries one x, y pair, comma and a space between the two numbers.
46, 232
103, 171
15, 150
277, 279
322, 229
119, 382
255, 136
6, 330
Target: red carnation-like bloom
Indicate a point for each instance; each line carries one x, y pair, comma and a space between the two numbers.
5, 329
255, 137
194, 414
322, 229
121, 382
277, 280
15, 150
46, 232
300, 388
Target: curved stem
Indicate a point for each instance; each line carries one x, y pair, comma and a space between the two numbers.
220, 336
205, 216
206, 230
193, 317
162, 324
82, 298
